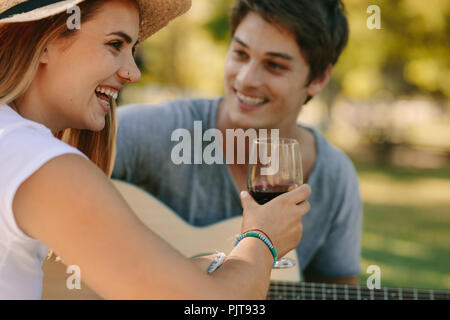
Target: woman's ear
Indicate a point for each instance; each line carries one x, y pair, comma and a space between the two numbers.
318, 84
44, 56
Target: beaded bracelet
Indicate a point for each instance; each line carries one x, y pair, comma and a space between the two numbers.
261, 237
262, 232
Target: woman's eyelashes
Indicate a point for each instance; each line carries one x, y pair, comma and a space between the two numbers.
118, 46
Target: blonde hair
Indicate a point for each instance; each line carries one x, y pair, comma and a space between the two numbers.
21, 46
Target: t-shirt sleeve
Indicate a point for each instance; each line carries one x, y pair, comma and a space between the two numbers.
23, 152
340, 254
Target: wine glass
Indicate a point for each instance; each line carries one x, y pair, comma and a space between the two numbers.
275, 167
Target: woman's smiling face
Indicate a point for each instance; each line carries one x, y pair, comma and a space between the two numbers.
78, 76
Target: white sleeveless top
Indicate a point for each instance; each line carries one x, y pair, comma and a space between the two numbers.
24, 147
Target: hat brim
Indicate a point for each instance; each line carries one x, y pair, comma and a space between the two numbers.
154, 14
42, 12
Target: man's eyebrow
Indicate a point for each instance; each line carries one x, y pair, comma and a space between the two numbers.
280, 55
125, 36
272, 54
242, 43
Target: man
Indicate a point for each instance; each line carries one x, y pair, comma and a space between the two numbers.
280, 56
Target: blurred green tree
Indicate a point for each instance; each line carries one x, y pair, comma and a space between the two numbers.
408, 55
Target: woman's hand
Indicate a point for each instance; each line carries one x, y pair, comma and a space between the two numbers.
280, 218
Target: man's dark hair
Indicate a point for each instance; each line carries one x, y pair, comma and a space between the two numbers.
319, 26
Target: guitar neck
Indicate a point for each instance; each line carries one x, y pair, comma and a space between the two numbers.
280, 290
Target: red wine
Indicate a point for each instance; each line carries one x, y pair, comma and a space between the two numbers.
265, 193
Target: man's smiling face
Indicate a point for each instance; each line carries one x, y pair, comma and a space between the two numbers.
265, 76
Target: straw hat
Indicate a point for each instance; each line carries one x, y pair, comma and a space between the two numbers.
155, 14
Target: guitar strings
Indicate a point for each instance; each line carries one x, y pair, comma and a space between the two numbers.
317, 291
384, 293
274, 295
339, 296
355, 287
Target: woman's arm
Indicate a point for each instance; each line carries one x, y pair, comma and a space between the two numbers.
72, 207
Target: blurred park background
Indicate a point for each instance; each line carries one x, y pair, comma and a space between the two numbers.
387, 106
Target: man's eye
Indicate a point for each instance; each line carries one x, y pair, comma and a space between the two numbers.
240, 53
276, 66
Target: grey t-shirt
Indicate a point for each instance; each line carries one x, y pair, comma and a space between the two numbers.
203, 194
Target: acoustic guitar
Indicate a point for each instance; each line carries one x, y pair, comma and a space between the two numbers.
193, 241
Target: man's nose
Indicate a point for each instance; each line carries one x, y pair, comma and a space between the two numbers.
249, 75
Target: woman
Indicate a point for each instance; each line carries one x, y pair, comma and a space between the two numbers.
59, 83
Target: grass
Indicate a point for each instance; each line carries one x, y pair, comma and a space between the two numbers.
406, 229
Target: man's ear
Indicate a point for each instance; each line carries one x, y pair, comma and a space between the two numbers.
318, 84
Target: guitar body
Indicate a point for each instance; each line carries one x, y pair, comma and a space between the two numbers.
188, 240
